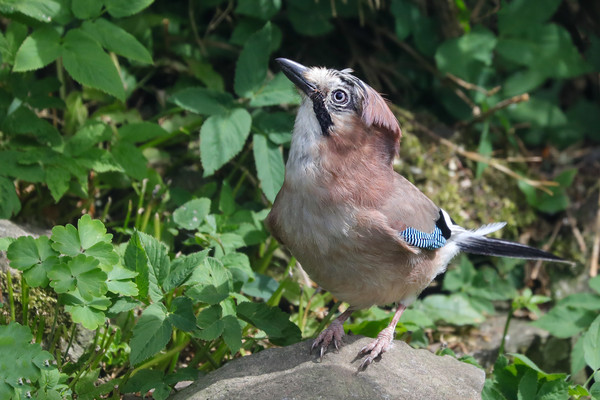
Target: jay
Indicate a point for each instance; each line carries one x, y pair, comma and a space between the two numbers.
359, 229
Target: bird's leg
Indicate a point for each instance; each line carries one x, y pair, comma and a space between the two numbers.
380, 345
334, 332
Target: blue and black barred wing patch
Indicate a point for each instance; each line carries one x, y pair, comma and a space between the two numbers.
429, 241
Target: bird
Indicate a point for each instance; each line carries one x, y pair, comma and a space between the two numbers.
359, 229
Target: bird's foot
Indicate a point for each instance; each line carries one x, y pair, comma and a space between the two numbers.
333, 333
377, 347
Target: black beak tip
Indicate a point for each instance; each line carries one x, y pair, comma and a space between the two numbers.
295, 73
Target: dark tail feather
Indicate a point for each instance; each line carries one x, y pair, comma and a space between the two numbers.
503, 248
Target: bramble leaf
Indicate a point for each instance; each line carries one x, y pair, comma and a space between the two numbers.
151, 333
191, 214
38, 50
270, 167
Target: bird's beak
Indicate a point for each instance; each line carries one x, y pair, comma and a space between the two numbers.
295, 73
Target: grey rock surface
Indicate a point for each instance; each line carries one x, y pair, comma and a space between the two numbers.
292, 373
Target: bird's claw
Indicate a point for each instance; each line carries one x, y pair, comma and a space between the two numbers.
376, 348
334, 333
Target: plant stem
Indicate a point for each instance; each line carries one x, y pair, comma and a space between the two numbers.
72, 336
506, 325
11, 299
53, 330
161, 357
267, 257
25, 301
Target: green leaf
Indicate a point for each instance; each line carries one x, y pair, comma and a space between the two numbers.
210, 323
270, 167
131, 159
86, 9
211, 281
182, 267
191, 214
143, 381
23, 253
88, 64
222, 137
232, 333
182, 314
158, 260
9, 201
119, 281
262, 286
81, 272
203, 101
577, 357
151, 333
88, 312
119, 8
136, 260
114, 38
466, 56
123, 304
252, 65
564, 322
528, 385
407, 15
310, 18
520, 15
57, 179
454, 309
38, 50
262, 9
276, 125
141, 132
272, 320
594, 284
91, 232
33, 256
279, 90
591, 345
87, 137
41, 10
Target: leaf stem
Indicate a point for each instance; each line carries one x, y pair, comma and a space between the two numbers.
71, 337
25, 301
505, 332
11, 299
161, 357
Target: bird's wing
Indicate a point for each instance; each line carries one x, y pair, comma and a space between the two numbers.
417, 219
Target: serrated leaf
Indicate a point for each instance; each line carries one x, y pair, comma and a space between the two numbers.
564, 322
151, 333
279, 90
9, 201
116, 39
203, 101
131, 159
38, 50
88, 64
123, 304
211, 281
41, 10
158, 262
182, 267
232, 333
252, 65
136, 260
86, 137
141, 132
591, 345
222, 137
191, 214
119, 8
270, 167
528, 385
57, 179
86, 9
210, 323
577, 358
143, 381
272, 320
182, 314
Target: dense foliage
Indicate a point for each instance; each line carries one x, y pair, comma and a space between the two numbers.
151, 137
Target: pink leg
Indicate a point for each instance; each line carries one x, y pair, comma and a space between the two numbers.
380, 345
335, 332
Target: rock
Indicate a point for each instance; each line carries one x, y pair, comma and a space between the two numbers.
293, 373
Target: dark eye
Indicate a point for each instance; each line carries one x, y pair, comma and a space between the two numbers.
339, 97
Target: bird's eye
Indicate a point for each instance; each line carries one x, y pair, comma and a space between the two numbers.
339, 97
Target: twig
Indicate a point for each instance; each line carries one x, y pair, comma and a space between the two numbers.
538, 264
493, 162
596, 247
576, 232
498, 106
